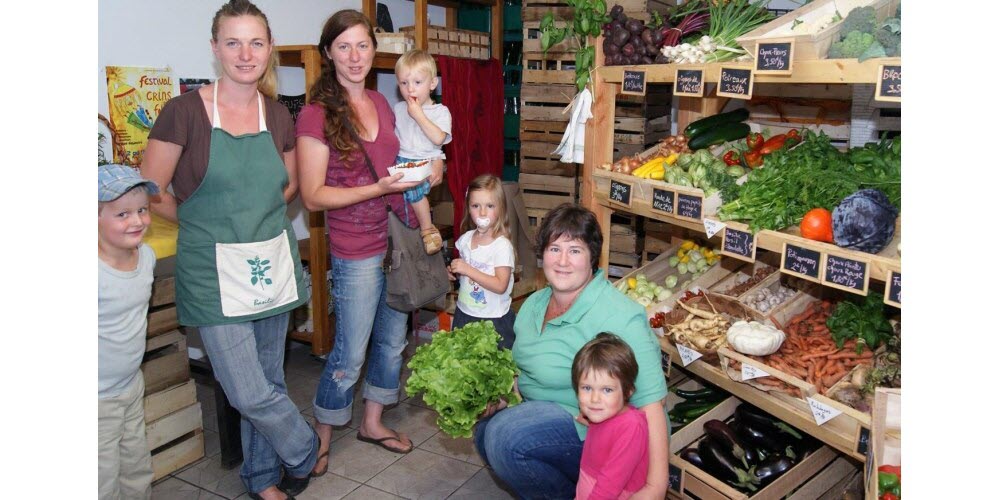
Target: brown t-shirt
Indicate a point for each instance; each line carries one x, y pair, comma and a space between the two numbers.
184, 121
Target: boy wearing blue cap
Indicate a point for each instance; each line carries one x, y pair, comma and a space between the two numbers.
124, 285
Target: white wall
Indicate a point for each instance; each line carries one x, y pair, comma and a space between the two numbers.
176, 34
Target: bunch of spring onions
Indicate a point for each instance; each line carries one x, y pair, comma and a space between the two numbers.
730, 20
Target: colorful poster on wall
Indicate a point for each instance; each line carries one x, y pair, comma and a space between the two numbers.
135, 97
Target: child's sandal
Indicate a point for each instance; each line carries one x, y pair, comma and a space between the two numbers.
432, 240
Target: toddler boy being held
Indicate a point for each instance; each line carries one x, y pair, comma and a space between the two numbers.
422, 128
124, 283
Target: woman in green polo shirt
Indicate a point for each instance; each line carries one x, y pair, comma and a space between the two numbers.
535, 447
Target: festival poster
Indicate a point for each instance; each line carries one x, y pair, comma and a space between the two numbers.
135, 97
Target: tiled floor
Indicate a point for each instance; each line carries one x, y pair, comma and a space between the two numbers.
439, 466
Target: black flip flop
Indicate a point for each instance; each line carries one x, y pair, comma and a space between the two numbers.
381, 442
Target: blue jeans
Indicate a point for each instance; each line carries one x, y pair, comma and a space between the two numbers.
362, 315
415, 193
248, 360
533, 447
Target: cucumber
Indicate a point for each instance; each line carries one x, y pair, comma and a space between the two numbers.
718, 135
698, 126
701, 394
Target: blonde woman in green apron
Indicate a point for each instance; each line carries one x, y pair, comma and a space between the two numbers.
228, 151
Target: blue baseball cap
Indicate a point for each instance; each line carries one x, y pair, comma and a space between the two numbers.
114, 180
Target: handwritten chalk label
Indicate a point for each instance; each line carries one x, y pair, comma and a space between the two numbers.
864, 438
633, 82
848, 274
712, 227
774, 58
689, 82
689, 206
889, 86
663, 201
620, 192
893, 287
751, 372
739, 244
735, 82
674, 478
800, 261
822, 412
688, 355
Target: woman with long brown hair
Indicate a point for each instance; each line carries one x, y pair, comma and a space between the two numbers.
344, 133
228, 149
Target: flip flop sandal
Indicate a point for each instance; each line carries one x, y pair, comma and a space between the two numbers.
323, 455
381, 442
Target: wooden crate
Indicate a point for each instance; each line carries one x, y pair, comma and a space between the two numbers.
533, 10
165, 363
538, 158
781, 107
812, 46
186, 450
830, 483
161, 319
886, 437
696, 483
546, 191
454, 42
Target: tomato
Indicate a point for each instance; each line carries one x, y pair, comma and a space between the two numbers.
817, 225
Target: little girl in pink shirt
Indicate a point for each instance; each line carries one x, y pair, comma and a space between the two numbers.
616, 451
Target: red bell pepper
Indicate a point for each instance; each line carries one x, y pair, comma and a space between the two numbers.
773, 144
888, 496
753, 159
892, 469
755, 141
731, 157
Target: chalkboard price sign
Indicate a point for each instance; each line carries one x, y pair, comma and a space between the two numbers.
846, 274
689, 82
735, 82
663, 201
774, 57
674, 478
893, 287
689, 206
633, 82
621, 192
889, 85
800, 262
739, 244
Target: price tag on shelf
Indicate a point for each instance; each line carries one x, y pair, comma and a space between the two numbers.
688, 355
751, 372
822, 412
712, 226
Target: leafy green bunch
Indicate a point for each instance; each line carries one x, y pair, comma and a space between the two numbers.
863, 319
460, 372
588, 18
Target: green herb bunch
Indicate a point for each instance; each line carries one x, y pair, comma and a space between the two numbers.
460, 372
863, 319
588, 17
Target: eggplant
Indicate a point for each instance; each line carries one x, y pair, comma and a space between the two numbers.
746, 412
617, 11
719, 431
770, 470
720, 463
753, 435
620, 36
692, 456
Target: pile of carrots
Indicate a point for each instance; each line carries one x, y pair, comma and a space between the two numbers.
810, 353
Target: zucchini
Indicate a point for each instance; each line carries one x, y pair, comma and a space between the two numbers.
706, 394
718, 135
698, 126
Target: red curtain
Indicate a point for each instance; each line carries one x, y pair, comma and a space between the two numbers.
473, 91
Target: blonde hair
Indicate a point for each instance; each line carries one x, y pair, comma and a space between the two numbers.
268, 82
494, 186
419, 60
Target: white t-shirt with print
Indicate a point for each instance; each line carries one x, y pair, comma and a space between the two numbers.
413, 143
473, 299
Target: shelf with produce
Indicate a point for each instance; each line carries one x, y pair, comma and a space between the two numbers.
808, 71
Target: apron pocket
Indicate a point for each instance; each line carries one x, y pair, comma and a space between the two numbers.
255, 277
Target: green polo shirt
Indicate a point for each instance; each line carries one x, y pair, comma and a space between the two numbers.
545, 358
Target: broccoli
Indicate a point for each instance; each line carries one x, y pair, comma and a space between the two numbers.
852, 46
888, 35
860, 19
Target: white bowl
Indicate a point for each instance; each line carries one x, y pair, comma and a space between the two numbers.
412, 171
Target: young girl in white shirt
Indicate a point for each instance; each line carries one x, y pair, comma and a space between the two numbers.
486, 263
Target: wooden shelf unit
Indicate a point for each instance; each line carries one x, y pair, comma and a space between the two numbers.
842, 432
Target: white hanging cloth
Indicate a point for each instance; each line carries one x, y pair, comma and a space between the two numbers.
571, 147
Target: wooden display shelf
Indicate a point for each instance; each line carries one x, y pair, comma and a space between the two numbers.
814, 71
842, 432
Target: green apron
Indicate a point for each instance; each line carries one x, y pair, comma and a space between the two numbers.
237, 256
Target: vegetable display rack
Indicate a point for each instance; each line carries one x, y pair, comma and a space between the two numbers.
849, 431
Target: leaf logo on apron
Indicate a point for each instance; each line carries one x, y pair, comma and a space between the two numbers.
257, 271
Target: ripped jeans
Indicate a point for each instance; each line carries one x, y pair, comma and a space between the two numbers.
362, 316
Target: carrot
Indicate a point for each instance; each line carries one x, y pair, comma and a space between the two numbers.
769, 381
821, 354
851, 354
830, 380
